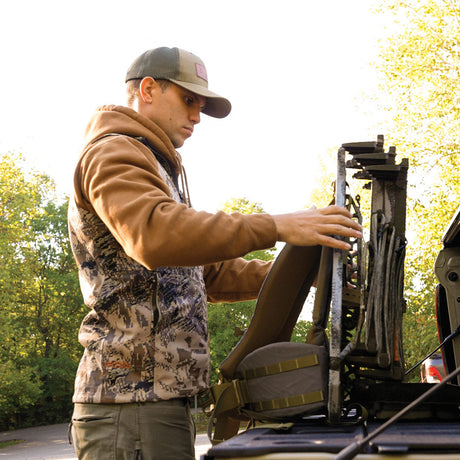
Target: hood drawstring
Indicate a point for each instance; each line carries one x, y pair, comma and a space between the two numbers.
172, 170
184, 182
185, 189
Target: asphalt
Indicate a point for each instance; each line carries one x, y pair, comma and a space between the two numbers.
51, 443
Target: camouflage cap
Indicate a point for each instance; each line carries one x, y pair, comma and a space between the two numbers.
182, 68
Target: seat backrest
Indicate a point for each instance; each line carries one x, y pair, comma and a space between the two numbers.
279, 303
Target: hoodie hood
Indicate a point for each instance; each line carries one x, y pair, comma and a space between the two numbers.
114, 119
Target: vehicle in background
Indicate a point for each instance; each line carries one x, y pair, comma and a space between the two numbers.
432, 369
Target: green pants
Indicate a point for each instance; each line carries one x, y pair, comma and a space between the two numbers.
139, 431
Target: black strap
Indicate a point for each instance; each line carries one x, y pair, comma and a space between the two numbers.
159, 156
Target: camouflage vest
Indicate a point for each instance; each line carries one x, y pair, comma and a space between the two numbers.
146, 337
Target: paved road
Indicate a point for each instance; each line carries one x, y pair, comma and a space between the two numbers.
50, 443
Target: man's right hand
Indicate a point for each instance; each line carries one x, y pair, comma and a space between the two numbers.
311, 227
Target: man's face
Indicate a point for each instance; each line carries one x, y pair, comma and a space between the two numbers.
176, 111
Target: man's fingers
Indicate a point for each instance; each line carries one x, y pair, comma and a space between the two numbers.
334, 209
342, 230
332, 242
339, 215
318, 226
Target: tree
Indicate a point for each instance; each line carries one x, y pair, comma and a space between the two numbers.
419, 67
226, 322
322, 193
20, 389
418, 101
40, 301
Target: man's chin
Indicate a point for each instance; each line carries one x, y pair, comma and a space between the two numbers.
178, 143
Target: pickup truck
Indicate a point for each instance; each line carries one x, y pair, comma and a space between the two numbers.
384, 415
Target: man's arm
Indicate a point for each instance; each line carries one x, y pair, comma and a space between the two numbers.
129, 195
238, 279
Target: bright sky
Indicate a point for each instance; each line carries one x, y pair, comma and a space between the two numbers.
293, 70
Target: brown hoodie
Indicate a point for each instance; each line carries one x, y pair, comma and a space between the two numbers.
141, 253
117, 179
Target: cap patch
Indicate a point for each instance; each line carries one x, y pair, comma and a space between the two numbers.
201, 71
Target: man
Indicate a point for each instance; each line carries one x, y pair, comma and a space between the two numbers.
148, 263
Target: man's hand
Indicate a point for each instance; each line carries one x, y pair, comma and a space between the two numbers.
311, 227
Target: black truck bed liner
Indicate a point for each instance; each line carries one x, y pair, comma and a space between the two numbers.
313, 437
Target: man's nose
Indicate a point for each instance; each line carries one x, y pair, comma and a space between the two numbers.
195, 115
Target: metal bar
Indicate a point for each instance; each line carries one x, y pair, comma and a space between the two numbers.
335, 396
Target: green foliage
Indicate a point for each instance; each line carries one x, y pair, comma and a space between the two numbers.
226, 323
20, 389
322, 193
57, 377
420, 80
300, 331
243, 206
40, 301
419, 331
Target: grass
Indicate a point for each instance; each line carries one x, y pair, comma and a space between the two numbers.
11, 442
201, 422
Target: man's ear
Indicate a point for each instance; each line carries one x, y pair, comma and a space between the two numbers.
146, 89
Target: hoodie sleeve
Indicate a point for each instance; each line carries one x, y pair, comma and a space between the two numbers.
235, 280
118, 180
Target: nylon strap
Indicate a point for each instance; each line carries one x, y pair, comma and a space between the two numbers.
290, 401
278, 368
225, 418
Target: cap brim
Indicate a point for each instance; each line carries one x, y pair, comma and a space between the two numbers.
216, 106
